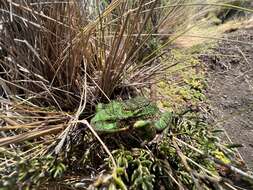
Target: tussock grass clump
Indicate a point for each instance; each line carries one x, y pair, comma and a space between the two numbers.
60, 58
59, 51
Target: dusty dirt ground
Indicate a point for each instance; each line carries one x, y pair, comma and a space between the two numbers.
230, 91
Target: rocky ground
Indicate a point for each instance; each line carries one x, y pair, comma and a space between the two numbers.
230, 91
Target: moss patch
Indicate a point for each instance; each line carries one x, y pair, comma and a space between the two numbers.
185, 82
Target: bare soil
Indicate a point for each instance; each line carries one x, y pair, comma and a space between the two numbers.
230, 91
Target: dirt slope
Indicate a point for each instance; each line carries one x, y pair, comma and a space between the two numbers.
231, 88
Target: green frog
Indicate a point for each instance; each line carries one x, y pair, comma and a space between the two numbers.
137, 114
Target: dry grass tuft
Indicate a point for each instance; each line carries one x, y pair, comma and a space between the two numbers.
58, 51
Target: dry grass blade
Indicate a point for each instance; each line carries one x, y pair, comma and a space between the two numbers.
29, 135
23, 123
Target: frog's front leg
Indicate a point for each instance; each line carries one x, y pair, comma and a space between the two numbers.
142, 124
145, 129
164, 121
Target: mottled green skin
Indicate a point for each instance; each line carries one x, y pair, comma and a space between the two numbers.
138, 113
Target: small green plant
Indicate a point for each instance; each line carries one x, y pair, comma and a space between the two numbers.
32, 173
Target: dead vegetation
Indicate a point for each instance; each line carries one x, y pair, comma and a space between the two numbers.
58, 53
